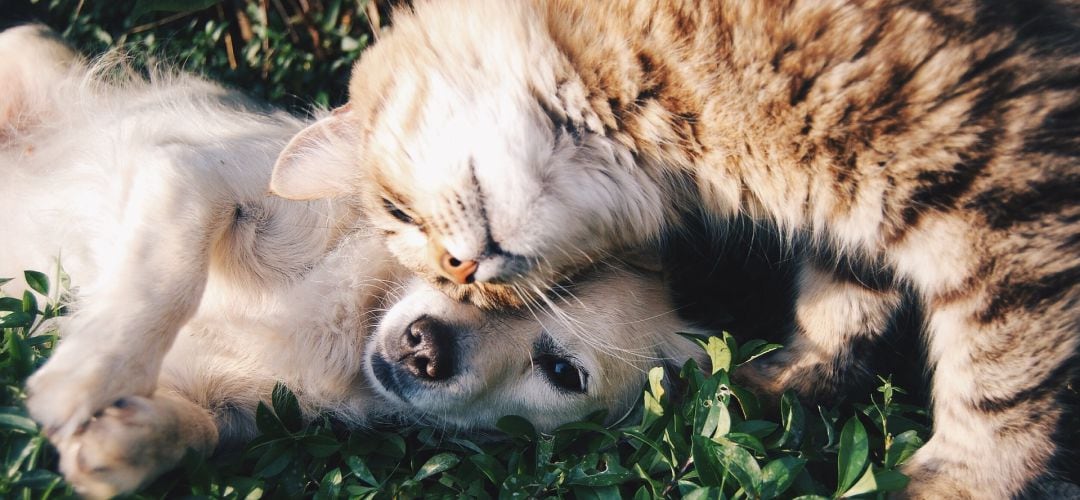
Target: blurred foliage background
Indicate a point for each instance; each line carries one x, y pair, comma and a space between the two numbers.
293, 53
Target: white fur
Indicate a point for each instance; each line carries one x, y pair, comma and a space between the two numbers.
195, 292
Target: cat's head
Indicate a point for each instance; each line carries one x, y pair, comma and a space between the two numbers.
475, 150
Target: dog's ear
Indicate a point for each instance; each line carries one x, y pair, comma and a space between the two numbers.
34, 62
318, 162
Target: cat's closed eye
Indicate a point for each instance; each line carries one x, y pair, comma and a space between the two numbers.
396, 212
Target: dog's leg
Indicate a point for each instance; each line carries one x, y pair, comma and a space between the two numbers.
837, 318
114, 344
132, 441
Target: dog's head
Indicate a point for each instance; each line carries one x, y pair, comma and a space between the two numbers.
446, 363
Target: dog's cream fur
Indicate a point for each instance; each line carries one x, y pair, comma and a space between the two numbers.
195, 292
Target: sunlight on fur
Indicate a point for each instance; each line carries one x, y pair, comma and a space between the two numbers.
195, 291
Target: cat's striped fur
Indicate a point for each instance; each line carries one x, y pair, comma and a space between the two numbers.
936, 141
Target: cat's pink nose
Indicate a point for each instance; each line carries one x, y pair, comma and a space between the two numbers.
460, 272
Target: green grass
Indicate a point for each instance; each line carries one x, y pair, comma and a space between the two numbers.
293, 53
708, 438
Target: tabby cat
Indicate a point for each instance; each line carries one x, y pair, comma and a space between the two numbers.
508, 145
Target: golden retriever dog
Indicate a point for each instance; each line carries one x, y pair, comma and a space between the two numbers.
195, 292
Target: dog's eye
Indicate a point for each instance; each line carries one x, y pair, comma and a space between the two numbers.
562, 373
397, 213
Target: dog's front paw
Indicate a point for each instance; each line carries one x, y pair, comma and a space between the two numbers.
123, 447
77, 383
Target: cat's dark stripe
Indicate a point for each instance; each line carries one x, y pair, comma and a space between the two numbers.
1060, 133
1049, 386
1029, 294
1005, 207
655, 82
940, 190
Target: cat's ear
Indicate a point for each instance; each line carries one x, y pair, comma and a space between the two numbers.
318, 162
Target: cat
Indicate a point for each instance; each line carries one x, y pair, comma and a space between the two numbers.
195, 292
501, 147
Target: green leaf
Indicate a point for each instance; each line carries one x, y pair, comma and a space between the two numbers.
29, 305
853, 454
330, 487
321, 445
286, 407
747, 441
16, 419
545, 447
436, 464
392, 445
147, 6
902, 447
38, 479
274, 460
17, 319
587, 426
830, 429
719, 354
656, 382
706, 493
865, 484
490, 467
793, 420
757, 428
4, 281
706, 455
742, 466
21, 356
613, 474
37, 281
706, 404
361, 470
748, 402
516, 426
11, 304
890, 480
653, 410
754, 349
778, 475
268, 422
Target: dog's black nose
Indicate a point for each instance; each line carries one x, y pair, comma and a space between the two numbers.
427, 349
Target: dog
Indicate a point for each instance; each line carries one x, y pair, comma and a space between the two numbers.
195, 292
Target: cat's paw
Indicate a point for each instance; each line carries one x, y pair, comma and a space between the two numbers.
760, 378
121, 448
77, 383
931, 478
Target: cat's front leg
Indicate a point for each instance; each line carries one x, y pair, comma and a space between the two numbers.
837, 320
124, 323
1000, 373
128, 444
